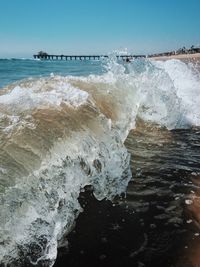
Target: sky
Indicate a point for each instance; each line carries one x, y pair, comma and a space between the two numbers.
97, 26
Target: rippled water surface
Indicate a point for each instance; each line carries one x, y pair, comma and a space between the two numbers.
153, 225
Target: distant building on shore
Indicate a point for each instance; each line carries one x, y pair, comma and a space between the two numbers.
192, 50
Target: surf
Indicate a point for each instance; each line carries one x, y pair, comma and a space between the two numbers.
61, 133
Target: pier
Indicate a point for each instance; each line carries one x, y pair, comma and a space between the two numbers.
46, 56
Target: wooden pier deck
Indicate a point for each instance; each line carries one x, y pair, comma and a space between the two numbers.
83, 57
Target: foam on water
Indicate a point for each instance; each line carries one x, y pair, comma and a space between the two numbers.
59, 134
186, 80
21, 99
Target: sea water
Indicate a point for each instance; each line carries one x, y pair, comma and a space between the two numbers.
64, 126
12, 69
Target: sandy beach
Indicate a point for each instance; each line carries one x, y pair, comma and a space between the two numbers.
182, 56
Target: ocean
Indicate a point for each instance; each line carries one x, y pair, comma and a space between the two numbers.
99, 163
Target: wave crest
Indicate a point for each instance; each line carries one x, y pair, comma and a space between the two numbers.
59, 134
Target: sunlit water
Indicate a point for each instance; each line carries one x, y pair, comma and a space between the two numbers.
63, 129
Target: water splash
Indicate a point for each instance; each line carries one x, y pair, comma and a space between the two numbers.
59, 134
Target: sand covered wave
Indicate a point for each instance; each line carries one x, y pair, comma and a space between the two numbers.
54, 141
59, 134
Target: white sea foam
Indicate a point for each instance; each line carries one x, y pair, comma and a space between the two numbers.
26, 99
186, 81
59, 134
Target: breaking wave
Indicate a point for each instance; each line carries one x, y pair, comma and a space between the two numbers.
59, 134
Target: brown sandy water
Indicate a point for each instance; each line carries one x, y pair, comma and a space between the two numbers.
59, 134
157, 222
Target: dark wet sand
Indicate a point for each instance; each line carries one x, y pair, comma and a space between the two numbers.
150, 226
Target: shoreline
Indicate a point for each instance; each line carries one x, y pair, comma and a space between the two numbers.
182, 56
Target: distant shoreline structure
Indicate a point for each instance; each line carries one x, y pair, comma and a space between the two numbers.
180, 53
46, 56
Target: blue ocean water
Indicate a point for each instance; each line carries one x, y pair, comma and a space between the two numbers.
12, 70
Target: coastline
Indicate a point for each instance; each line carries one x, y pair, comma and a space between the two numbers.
182, 56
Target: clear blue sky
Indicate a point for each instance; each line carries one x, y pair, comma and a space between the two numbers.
97, 26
